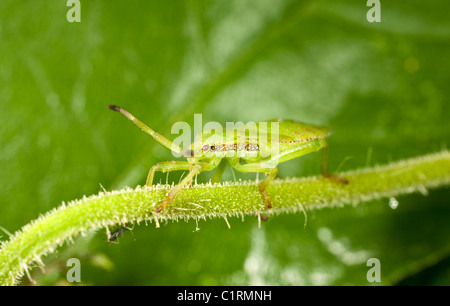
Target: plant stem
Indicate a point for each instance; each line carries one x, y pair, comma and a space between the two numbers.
43, 235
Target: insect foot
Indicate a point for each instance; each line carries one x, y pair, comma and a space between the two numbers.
268, 202
264, 218
338, 179
164, 204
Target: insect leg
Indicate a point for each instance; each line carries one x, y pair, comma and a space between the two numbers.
262, 186
194, 169
325, 170
219, 172
272, 172
166, 167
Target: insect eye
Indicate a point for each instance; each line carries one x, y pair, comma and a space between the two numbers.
213, 148
205, 147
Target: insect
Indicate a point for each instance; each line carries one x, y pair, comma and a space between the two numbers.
117, 233
294, 139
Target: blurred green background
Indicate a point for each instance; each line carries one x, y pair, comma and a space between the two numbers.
382, 87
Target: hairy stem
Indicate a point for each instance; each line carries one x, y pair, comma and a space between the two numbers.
43, 235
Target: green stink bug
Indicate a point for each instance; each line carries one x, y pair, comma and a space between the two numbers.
293, 139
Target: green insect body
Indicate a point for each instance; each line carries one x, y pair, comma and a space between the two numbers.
245, 151
292, 136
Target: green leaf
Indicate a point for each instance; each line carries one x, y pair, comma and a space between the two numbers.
382, 87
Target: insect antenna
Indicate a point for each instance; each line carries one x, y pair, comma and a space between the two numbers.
158, 137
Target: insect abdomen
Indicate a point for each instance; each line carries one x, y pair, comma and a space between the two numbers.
240, 149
